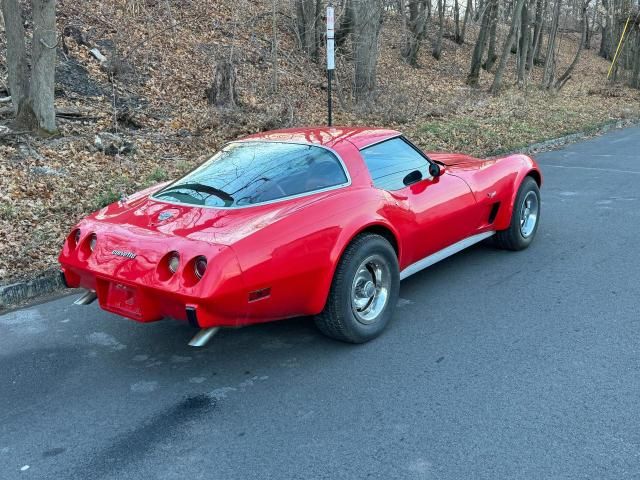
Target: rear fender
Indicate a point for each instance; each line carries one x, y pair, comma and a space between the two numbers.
347, 235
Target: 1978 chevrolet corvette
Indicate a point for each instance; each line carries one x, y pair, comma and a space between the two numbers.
309, 221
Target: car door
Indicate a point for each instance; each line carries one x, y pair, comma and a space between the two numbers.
431, 213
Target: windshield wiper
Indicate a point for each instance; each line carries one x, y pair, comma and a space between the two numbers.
199, 187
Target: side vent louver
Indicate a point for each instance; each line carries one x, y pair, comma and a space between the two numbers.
494, 212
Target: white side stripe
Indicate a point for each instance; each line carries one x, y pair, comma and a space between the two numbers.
442, 254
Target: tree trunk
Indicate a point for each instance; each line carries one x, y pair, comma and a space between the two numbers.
43, 57
567, 74
467, 15
307, 25
605, 40
32, 95
367, 19
480, 5
538, 46
437, 48
523, 44
537, 29
506, 49
416, 26
345, 27
274, 48
550, 61
635, 76
591, 32
491, 53
16, 55
478, 49
587, 38
456, 21
223, 90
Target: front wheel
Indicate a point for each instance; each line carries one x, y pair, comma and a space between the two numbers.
364, 291
524, 219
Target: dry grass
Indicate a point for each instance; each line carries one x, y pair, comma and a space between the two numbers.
46, 186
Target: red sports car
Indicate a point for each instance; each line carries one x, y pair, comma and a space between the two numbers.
309, 221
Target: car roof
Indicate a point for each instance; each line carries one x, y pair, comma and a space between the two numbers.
360, 137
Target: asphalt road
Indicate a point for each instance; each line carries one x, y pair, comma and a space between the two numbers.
497, 365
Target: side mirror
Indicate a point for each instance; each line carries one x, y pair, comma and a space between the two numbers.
413, 177
435, 170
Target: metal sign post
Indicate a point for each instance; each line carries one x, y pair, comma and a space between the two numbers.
331, 64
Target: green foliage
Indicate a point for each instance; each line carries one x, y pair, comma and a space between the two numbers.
104, 198
156, 176
7, 211
182, 166
494, 135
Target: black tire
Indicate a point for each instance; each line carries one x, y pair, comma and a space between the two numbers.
339, 320
513, 238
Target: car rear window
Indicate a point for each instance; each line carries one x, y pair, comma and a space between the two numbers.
249, 173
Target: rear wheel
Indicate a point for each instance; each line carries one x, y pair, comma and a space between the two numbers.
524, 219
364, 291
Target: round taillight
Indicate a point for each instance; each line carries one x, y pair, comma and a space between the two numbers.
76, 237
200, 266
174, 262
93, 240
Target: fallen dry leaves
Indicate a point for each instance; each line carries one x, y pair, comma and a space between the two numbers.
47, 185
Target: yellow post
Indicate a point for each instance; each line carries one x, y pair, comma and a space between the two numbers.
615, 57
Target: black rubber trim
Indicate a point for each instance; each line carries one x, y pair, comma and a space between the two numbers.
64, 279
192, 317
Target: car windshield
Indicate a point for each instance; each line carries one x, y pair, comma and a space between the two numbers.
247, 173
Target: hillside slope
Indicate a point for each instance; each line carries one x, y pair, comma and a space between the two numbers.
152, 94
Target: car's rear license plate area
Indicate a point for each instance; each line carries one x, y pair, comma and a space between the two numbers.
124, 298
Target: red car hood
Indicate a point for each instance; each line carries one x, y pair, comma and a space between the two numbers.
451, 159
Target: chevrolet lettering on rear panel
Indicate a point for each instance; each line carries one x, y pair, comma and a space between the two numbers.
122, 253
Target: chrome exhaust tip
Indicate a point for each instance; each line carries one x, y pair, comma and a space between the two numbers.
203, 336
88, 297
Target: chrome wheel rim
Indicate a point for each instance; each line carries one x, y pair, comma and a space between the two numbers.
370, 289
529, 214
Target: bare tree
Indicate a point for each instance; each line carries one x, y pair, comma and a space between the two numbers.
345, 25
523, 42
222, 92
481, 44
591, 29
32, 93
493, 24
308, 15
541, 7
480, 8
456, 21
635, 75
467, 15
437, 47
567, 74
17, 58
416, 19
506, 48
606, 40
367, 20
550, 61
274, 48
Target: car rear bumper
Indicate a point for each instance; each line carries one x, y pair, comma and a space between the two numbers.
144, 303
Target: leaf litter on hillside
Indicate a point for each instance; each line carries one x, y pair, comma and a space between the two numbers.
165, 60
